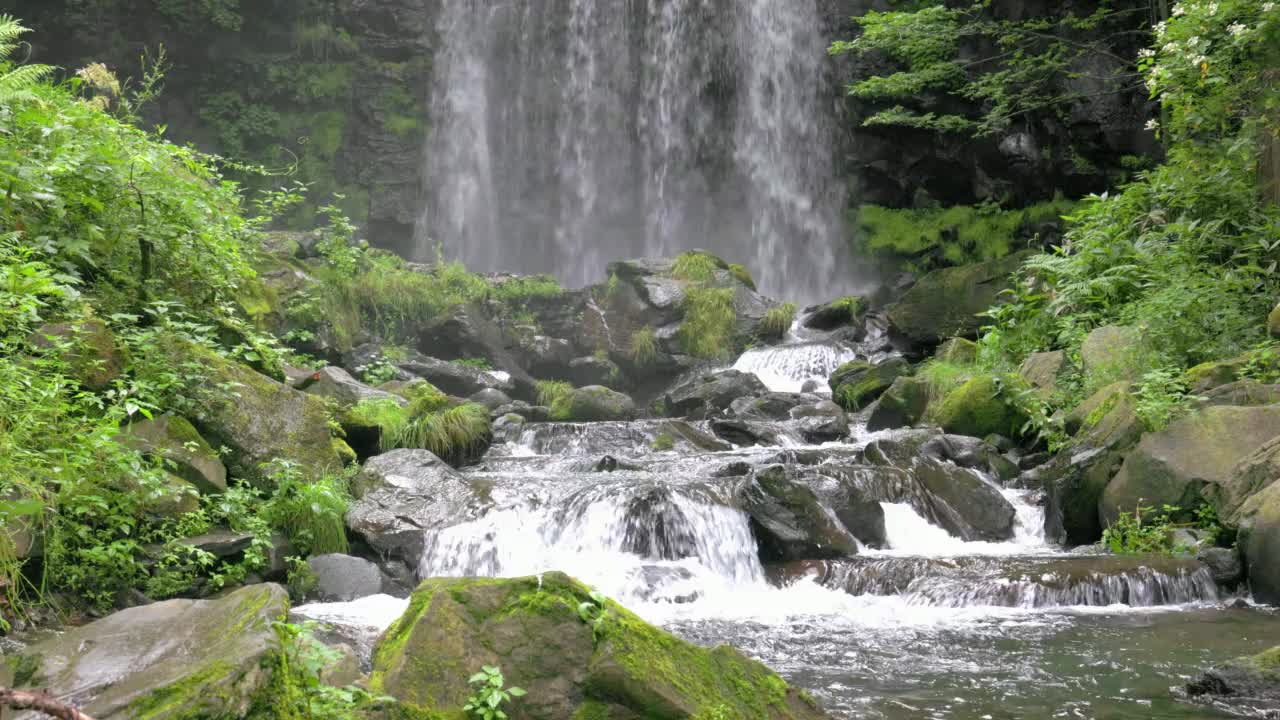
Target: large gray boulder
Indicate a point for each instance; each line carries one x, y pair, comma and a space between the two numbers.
347, 392
1114, 353
709, 394
186, 454
401, 494
466, 331
965, 504
947, 302
343, 578
170, 660
456, 378
789, 521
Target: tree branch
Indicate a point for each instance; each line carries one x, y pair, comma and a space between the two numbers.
40, 702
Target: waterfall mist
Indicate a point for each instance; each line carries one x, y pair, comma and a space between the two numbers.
569, 133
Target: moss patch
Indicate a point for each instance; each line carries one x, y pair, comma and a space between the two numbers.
978, 408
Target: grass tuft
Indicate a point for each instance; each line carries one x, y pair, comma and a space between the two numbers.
778, 321
644, 346
552, 391
709, 323
696, 266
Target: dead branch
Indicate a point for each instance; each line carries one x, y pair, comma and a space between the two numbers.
40, 702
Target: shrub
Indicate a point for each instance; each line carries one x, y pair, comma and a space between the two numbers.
709, 323
310, 511
453, 435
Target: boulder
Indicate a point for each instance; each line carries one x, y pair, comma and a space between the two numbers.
185, 453
788, 520
709, 394
957, 351
770, 406
978, 408
1113, 353
1074, 481
1209, 375
89, 348
456, 378
1250, 686
594, 403
347, 392
820, 422
947, 302
169, 660
1224, 564
400, 494
257, 418
1273, 322
681, 430
1258, 520
575, 656
854, 494
465, 331
746, 433
546, 357
491, 398
856, 384
902, 405
836, 314
343, 578
1192, 461
965, 504
1043, 371
1242, 392
592, 370
1108, 415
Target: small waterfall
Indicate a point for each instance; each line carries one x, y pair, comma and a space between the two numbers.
566, 133
786, 368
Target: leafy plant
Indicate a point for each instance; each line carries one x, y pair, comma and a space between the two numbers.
310, 510
1161, 395
16, 83
644, 346
1142, 531
777, 321
301, 689
477, 363
486, 703
695, 267
710, 322
594, 612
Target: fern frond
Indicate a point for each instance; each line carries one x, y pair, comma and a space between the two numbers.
10, 31
20, 81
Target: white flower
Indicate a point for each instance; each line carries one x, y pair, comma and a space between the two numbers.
1213, 8
1146, 53
1179, 11
1152, 125
1170, 48
1199, 60
1268, 6
1236, 28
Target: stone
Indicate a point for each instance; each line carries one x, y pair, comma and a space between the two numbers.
1242, 392
1224, 563
455, 378
957, 351
788, 520
400, 494
820, 422
770, 406
836, 314
1074, 481
1113, 353
1192, 461
1107, 412
1258, 520
1273, 322
746, 433
343, 578
1207, 376
1043, 371
1251, 685
163, 661
546, 357
681, 430
594, 403
88, 347
347, 392
491, 398
856, 384
854, 500
904, 404
709, 394
615, 667
947, 303
186, 454
221, 543
978, 408
967, 506
466, 331
592, 370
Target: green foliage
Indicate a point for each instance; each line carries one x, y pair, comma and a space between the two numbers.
1142, 531
777, 321
301, 689
742, 275
696, 266
551, 392
663, 442
928, 239
16, 83
515, 291
1000, 69
710, 322
486, 703
1160, 397
451, 434
310, 511
644, 346
594, 612
477, 363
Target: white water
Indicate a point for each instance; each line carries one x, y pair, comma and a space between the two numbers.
786, 368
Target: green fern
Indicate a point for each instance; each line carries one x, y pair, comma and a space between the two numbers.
16, 83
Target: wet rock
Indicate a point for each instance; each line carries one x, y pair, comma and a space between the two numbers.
1250, 686
836, 314
744, 433
89, 348
221, 543
710, 394
167, 660
491, 398
186, 454
1224, 563
338, 385
1074, 481
466, 331
902, 405
810, 386
854, 494
856, 384
820, 422
455, 378
679, 429
547, 357
966, 505
733, 469
400, 494
946, 303
770, 406
979, 408
609, 463
1258, 520
592, 370
789, 521
531, 627
656, 527
594, 403
343, 578
900, 449
969, 452
532, 413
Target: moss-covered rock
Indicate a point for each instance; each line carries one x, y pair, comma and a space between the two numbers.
947, 302
1113, 353
1043, 371
979, 408
172, 660
89, 348
709, 394
1258, 520
533, 629
957, 351
857, 384
1249, 685
345, 391
594, 403
1191, 461
837, 314
902, 405
184, 451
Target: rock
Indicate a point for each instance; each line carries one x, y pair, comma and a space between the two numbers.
89, 348
746, 433
586, 371
789, 522
338, 385
1224, 563
710, 394
455, 378
820, 422
491, 398
546, 357
857, 506
1192, 461
679, 429
1043, 371
947, 302
185, 453
531, 413
899, 449
1273, 322
737, 468
257, 418
811, 386
902, 405
1113, 353
1074, 482
221, 543
400, 494
594, 403
1242, 392
1207, 376
770, 406
856, 384
616, 667
978, 408
957, 351
1250, 685
966, 505
343, 578
465, 331
1107, 413
836, 314
1258, 520
163, 661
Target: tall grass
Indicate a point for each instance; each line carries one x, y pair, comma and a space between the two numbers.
709, 323
696, 266
644, 346
778, 321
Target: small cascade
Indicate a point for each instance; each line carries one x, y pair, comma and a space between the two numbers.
786, 368
588, 439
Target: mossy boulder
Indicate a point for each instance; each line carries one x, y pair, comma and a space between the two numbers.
979, 408
1113, 353
957, 351
1258, 521
1044, 371
789, 522
594, 403
837, 314
709, 394
176, 441
616, 667
947, 303
1192, 461
257, 418
171, 660
904, 404
345, 391
1249, 685
857, 384
87, 346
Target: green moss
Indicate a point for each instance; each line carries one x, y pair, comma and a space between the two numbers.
709, 323
697, 266
663, 442
777, 321
742, 275
390, 649
591, 710
644, 346
978, 409
186, 699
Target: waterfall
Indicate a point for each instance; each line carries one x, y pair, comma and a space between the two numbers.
568, 133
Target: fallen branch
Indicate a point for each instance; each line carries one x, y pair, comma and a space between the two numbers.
40, 702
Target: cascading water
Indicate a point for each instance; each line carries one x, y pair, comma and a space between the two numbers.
567, 133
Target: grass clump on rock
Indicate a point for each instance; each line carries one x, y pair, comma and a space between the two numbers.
696, 266
644, 346
778, 321
709, 323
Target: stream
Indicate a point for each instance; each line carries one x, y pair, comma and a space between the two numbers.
929, 627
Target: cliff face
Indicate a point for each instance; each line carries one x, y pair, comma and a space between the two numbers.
338, 91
